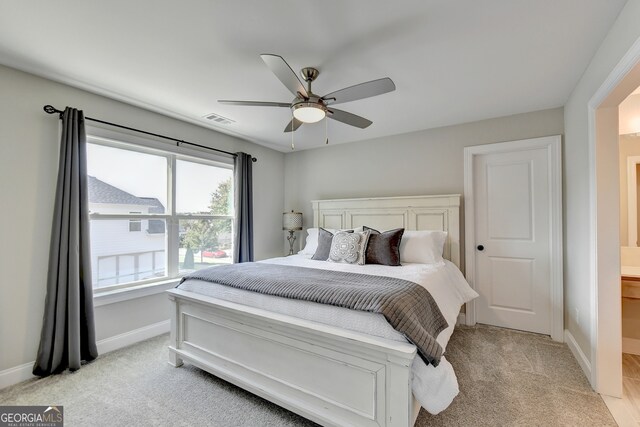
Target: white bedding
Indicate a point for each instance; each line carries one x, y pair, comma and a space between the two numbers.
434, 387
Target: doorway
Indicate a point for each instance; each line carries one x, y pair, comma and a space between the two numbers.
606, 228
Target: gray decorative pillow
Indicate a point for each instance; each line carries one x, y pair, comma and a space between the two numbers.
324, 244
384, 248
349, 247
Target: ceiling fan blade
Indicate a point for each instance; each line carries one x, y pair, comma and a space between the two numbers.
295, 123
255, 103
348, 118
361, 91
284, 73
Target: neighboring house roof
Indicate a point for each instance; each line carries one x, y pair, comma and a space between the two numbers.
101, 192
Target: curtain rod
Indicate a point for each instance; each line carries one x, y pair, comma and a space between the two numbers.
52, 110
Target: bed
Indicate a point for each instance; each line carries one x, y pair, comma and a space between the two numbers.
362, 375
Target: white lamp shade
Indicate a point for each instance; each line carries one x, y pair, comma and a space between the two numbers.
309, 114
292, 221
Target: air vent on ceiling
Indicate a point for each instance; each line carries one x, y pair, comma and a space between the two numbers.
219, 119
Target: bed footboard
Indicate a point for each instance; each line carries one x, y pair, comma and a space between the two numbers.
329, 375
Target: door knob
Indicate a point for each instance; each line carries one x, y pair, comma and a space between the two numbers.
480, 247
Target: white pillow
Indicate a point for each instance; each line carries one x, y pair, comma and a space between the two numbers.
311, 243
424, 247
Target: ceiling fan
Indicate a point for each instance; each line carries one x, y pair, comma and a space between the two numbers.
307, 107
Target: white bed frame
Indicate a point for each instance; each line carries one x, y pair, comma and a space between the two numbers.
332, 376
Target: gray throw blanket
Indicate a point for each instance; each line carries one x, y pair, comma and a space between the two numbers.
407, 306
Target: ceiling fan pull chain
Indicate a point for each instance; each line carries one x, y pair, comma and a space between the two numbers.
326, 131
293, 147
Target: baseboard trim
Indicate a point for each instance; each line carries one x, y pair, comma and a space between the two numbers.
462, 319
16, 375
20, 373
123, 340
577, 352
631, 345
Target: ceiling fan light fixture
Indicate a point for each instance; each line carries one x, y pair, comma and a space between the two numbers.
308, 107
309, 112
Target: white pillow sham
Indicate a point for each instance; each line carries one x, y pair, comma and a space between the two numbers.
424, 247
311, 244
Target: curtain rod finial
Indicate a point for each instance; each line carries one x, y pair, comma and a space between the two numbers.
50, 109
253, 159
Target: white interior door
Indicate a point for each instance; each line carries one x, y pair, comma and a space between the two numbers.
513, 232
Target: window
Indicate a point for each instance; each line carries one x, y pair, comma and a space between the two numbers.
135, 224
154, 214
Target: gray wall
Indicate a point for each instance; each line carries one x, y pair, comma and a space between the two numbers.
28, 168
417, 163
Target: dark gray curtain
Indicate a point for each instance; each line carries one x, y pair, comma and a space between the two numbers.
68, 333
243, 229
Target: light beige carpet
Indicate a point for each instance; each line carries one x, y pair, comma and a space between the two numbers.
507, 378
513, 378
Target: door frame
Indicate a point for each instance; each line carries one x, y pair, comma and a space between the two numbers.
553, 146
604, 369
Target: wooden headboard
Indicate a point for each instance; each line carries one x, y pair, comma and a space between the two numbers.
385, 213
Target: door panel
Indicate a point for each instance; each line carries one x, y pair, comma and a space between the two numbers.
507, 293
512, 206
510, 215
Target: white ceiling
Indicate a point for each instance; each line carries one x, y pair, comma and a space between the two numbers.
452, 61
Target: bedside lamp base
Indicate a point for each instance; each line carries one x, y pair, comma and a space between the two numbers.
291, 238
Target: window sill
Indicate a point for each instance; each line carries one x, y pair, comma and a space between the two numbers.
125, 294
